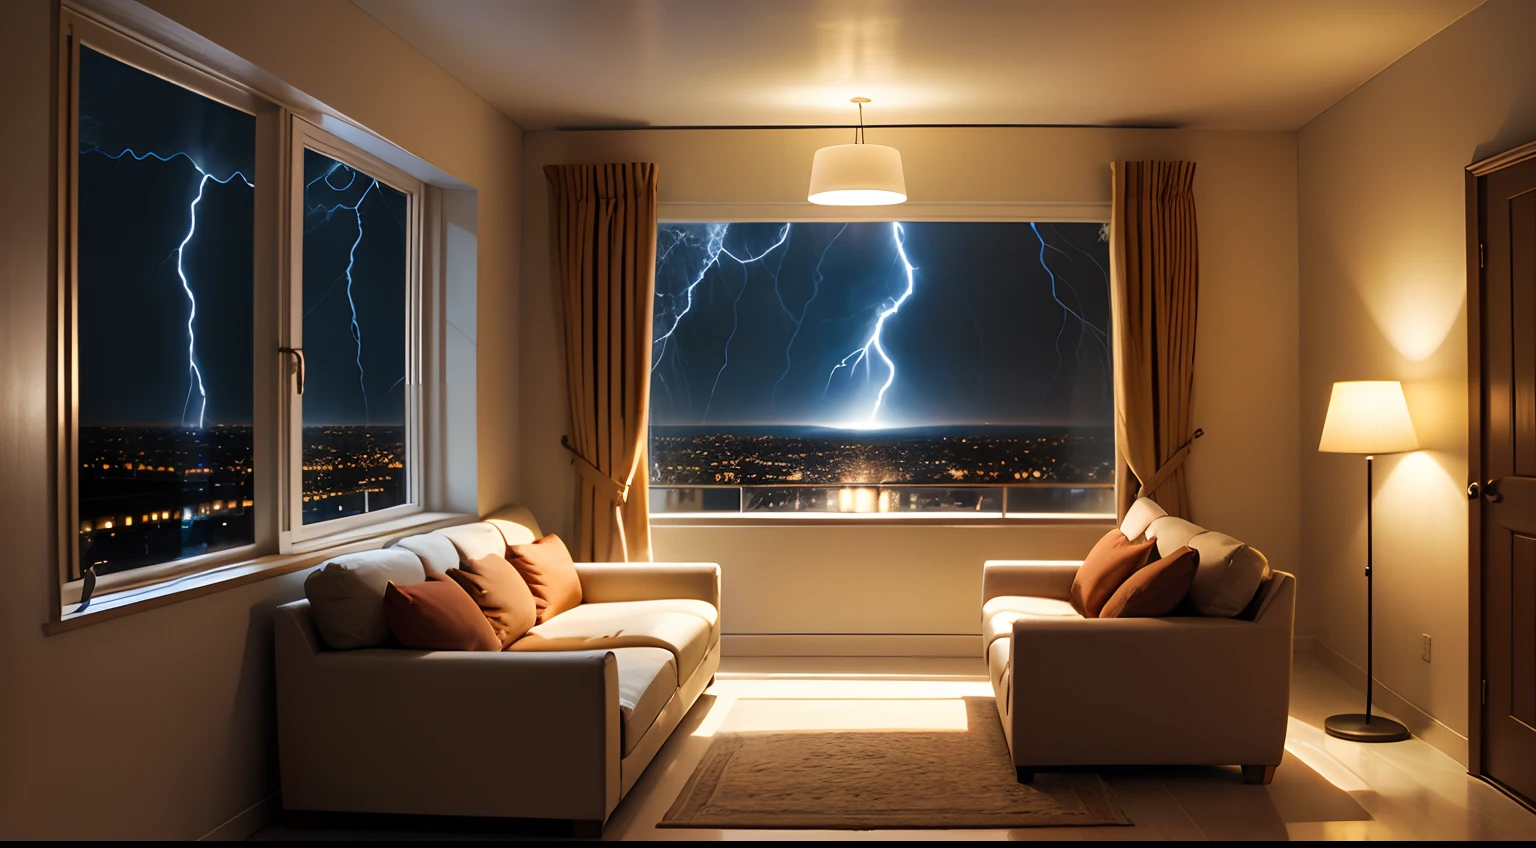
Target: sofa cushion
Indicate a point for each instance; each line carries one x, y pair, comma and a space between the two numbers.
516, 523
685, 627
346, 595
647, 681
500, 593
1171, 533
435, 552
1110, 562
437, 615
1155, 590
474, 540
1139, 517
547, 568
997, 659
1229, 575
999, 614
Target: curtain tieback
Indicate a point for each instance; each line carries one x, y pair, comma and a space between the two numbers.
1167, 468
610, 488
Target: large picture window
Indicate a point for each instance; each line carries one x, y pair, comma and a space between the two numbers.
164, 289
882, 368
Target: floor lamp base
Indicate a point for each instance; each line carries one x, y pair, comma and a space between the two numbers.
1357, 728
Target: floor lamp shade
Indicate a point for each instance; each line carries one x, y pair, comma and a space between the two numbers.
857, 175
1368, 416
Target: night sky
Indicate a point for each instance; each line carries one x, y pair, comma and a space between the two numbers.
981, 339
135, 209
133, 312
345, 386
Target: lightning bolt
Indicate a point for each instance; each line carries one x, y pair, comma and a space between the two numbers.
735, 314
875, 342
1100, 336
357, 211
816, 279
181, 274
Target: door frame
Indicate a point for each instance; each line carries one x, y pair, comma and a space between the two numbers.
1475, 465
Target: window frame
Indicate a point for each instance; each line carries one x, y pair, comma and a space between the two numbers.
916, 212
276, 304
307, 136
75, 32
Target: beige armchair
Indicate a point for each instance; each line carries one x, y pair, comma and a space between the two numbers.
1196, 689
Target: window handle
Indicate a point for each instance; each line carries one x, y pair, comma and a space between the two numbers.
298, 356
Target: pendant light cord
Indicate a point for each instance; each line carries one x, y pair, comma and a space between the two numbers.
858, 134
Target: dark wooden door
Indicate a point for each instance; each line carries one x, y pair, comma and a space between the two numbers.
1507, 512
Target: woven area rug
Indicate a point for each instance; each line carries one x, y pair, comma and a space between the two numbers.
874, 779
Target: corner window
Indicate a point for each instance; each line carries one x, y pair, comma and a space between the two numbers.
903, 368
240, 331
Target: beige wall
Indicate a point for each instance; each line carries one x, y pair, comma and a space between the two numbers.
1383, 294
160, 725
1243, 474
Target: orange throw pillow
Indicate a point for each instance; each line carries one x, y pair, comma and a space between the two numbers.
1108, 565
1155, 590
496, 587
436, 616
547, 566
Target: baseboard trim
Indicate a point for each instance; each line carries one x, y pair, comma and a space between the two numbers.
1422, 724
246, 823
966, 645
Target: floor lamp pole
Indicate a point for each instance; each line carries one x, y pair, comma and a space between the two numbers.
1355, 726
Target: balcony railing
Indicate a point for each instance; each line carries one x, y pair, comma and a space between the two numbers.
994, 500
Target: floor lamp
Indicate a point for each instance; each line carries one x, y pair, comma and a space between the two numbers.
1369, 417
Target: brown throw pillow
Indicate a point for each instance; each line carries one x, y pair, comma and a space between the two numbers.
1110, 562
1155, 590
547, 566
496, 587
437, 616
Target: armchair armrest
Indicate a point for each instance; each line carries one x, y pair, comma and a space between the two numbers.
1042, 578
602, 582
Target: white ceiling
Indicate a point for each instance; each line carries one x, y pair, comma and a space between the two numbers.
1237, 64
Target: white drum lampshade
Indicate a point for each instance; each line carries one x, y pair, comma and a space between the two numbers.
1368, 416
857, 175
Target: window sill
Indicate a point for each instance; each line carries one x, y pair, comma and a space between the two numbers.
126, 601
877, 519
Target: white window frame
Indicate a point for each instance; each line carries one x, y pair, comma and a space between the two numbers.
306, 136
281, 129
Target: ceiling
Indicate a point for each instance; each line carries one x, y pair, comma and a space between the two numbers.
1231, 64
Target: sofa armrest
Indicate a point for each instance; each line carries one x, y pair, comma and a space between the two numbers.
1149, 690
602, 582
1043, 578
442, 732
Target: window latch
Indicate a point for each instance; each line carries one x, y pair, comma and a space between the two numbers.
298, 357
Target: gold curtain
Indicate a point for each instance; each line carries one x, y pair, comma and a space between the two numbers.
602, 221
1155, 283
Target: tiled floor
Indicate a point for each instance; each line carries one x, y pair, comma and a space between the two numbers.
1327, 789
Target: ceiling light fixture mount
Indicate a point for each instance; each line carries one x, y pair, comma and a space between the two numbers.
857, 174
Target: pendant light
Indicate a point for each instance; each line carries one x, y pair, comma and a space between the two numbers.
857, 174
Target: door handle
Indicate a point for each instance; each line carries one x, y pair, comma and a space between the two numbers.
298, 355
1474, 490
1491, 491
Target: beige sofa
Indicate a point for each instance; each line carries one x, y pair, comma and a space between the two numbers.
1210, 688
559, 726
